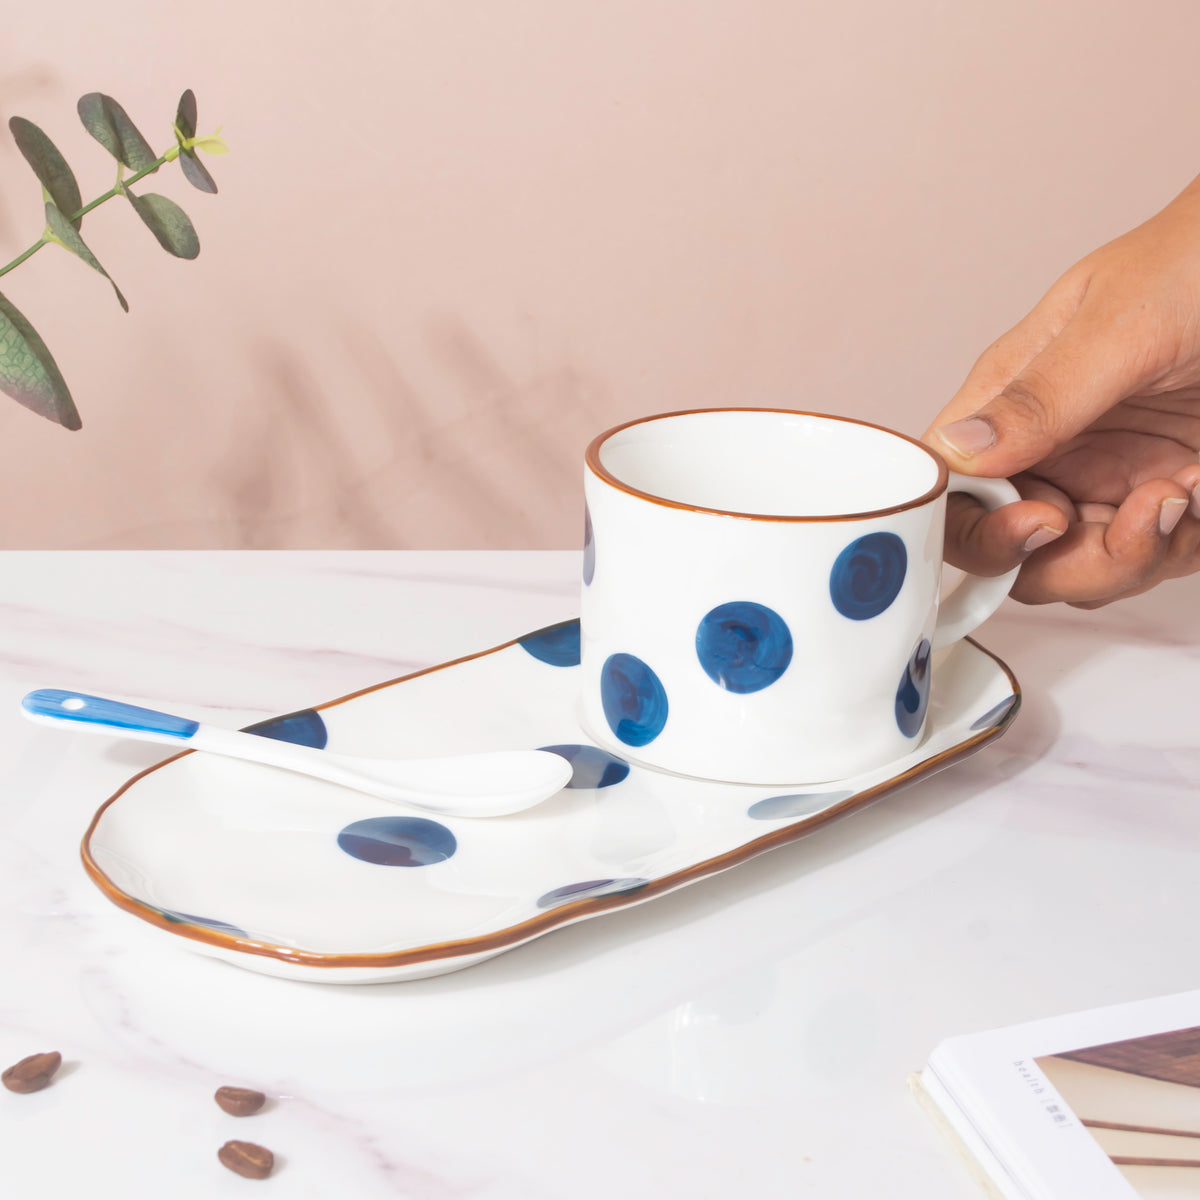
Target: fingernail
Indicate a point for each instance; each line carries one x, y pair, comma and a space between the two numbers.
968, 437
1170, 514
1043, 535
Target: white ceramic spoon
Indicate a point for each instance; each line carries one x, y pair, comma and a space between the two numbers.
467, 785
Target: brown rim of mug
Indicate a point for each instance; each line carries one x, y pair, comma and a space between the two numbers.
592, 459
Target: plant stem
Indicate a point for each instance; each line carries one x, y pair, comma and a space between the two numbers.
16, 262
87, 208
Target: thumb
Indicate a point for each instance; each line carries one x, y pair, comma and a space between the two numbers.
1079, 375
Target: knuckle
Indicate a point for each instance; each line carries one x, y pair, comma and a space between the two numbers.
1139, 572
1022, 404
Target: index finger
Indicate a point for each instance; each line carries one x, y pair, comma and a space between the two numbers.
1010, 353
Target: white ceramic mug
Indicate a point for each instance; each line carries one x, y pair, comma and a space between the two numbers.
760, 595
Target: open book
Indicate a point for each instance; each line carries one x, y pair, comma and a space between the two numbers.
1102, 1105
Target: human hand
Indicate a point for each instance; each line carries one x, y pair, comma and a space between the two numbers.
1091, 404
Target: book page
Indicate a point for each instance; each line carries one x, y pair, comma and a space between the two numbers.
1103, 1104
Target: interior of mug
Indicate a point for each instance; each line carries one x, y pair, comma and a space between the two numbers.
769, 463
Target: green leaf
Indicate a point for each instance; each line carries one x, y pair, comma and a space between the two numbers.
185, 114
28, 372
48, 165
168, 222
65, 236
194, 171
110, 125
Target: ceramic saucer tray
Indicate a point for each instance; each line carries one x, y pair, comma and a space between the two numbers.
296, 877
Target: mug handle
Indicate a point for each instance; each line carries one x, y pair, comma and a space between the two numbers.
975, 598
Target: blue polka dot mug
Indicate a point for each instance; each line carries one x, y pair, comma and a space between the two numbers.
761, 592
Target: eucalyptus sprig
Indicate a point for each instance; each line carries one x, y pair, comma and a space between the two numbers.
28, 372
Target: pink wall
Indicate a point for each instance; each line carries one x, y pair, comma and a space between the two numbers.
455, 238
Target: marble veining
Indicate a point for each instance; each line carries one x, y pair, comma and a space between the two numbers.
741, 1036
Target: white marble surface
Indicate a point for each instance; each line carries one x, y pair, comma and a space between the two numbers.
746, 1036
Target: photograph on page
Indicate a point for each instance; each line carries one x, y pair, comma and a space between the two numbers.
1140, 1099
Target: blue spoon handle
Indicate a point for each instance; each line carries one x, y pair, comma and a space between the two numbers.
75, 708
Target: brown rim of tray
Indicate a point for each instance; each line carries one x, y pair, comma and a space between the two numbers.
563, 914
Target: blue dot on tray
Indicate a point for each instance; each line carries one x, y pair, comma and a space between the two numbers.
589, 890
868, 575
912, 697
398, 841
633, 699
995, 714
797, 804
743, 646
303, 728
182, 918
589, 548
592, 767
557, 645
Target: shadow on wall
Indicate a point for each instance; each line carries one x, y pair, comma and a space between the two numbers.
486, 473
490, 461
15, 88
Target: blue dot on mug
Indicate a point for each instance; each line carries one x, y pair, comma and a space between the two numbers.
912, 697
398, 841
633, 699
743, 646
557, 645
591, 766
301, 728
589, 548
868, 575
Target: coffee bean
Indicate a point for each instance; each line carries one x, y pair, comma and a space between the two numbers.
245, 1158
33, 1073
239, 1102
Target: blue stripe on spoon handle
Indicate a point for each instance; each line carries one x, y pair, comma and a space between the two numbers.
58, 707
471, 785
51, 706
